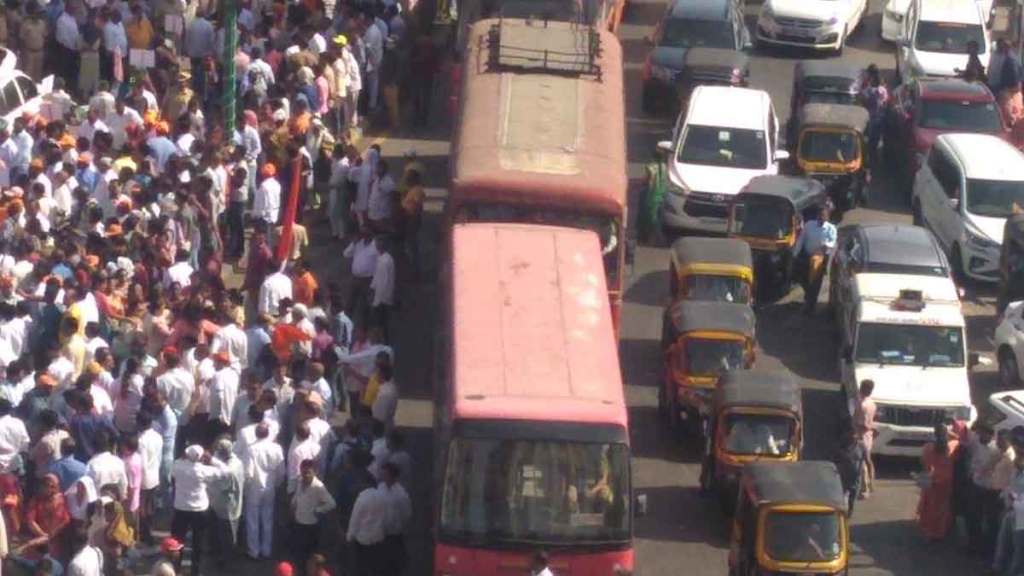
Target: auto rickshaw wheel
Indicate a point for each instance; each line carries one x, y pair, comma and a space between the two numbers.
1009, 372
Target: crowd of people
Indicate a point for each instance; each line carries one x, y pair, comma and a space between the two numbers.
142, 389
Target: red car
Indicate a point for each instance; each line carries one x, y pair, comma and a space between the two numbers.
921, 110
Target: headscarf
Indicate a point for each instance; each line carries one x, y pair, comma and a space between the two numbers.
79, 510
194, 452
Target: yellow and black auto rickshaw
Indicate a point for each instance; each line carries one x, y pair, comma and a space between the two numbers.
829, 146
718, 269
790, 518
754, 416
768, 214
701, 340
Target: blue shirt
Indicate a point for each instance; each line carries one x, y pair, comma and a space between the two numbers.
817, 237
84, 429
68, 471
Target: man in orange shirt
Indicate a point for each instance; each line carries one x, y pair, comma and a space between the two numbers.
304, 285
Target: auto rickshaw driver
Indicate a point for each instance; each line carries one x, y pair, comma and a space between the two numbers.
812, 249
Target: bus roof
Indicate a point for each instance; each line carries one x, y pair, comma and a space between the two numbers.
532, 328
552, 137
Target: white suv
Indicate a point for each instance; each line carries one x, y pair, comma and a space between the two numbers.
1010, 345
934, 36
965, 190
725, 137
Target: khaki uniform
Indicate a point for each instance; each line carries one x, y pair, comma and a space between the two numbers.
176, 102
32, 38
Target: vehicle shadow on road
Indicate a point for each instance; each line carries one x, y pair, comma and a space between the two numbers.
651, 438
805, 345
650, 289
682, 514
898, 548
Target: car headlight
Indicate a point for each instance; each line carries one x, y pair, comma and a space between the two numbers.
832, 21
979, 242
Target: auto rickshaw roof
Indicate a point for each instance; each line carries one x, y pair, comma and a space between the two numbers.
807, 482
699, 250
758, 389
799, 191
827, 76
834, 115
712, 316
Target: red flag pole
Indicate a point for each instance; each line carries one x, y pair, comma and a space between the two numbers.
284, 243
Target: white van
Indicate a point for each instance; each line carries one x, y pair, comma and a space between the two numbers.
18, 93
934, 37
964, 191
725, 137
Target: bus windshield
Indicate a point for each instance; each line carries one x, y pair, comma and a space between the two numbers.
536, 492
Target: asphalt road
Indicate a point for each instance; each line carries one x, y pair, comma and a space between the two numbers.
683, 533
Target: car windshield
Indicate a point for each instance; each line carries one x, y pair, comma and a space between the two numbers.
708, 357
758, 434
910, 345
726, 147
829, 146
685, 33
802, 536
994, 198
717, 288
960, 116
948, 37
763, 219
540, 492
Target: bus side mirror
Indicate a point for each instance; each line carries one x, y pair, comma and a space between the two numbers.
665, 147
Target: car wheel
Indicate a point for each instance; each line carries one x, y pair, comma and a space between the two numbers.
1009, 372
649, 101
915, 212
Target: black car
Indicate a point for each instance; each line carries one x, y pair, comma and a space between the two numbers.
696, 42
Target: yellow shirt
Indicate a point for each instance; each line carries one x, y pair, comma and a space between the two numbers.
140, 34
412, 202
370, 393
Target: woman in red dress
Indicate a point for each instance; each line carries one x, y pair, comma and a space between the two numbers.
935, 508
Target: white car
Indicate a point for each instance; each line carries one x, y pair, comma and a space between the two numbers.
964, 191
18, 93
818, 24
725, 137
896, 10
934, 37
1009, 344
1008, 409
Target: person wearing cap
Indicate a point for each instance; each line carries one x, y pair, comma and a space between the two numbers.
170, 557
223, 394
267, 200
226, 501
192, 480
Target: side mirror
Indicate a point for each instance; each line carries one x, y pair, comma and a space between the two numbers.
847, 354
954, 203
748, 44
640, 509
781, 155
973, 360
665, 147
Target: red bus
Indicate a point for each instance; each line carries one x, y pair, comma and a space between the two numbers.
540, 135
532, 449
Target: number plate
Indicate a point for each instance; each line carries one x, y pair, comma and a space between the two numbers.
794, 31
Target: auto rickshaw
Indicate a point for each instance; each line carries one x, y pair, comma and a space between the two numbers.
768, 214
1011, 263
790, 518
821, 82
701, 340
829, 146
711, 269
754, 416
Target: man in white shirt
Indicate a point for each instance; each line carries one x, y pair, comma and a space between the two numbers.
223, 394
191, 501
364, 253
263, 472
176, 384
383, 287
66, 34
276, 287
105, 469
373, 39
119, 120
14, 440
266, 202
180, 273
310, 502
382, 191
86, 560
151, 446
366, 531
304, 447
386, 403
397, 514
